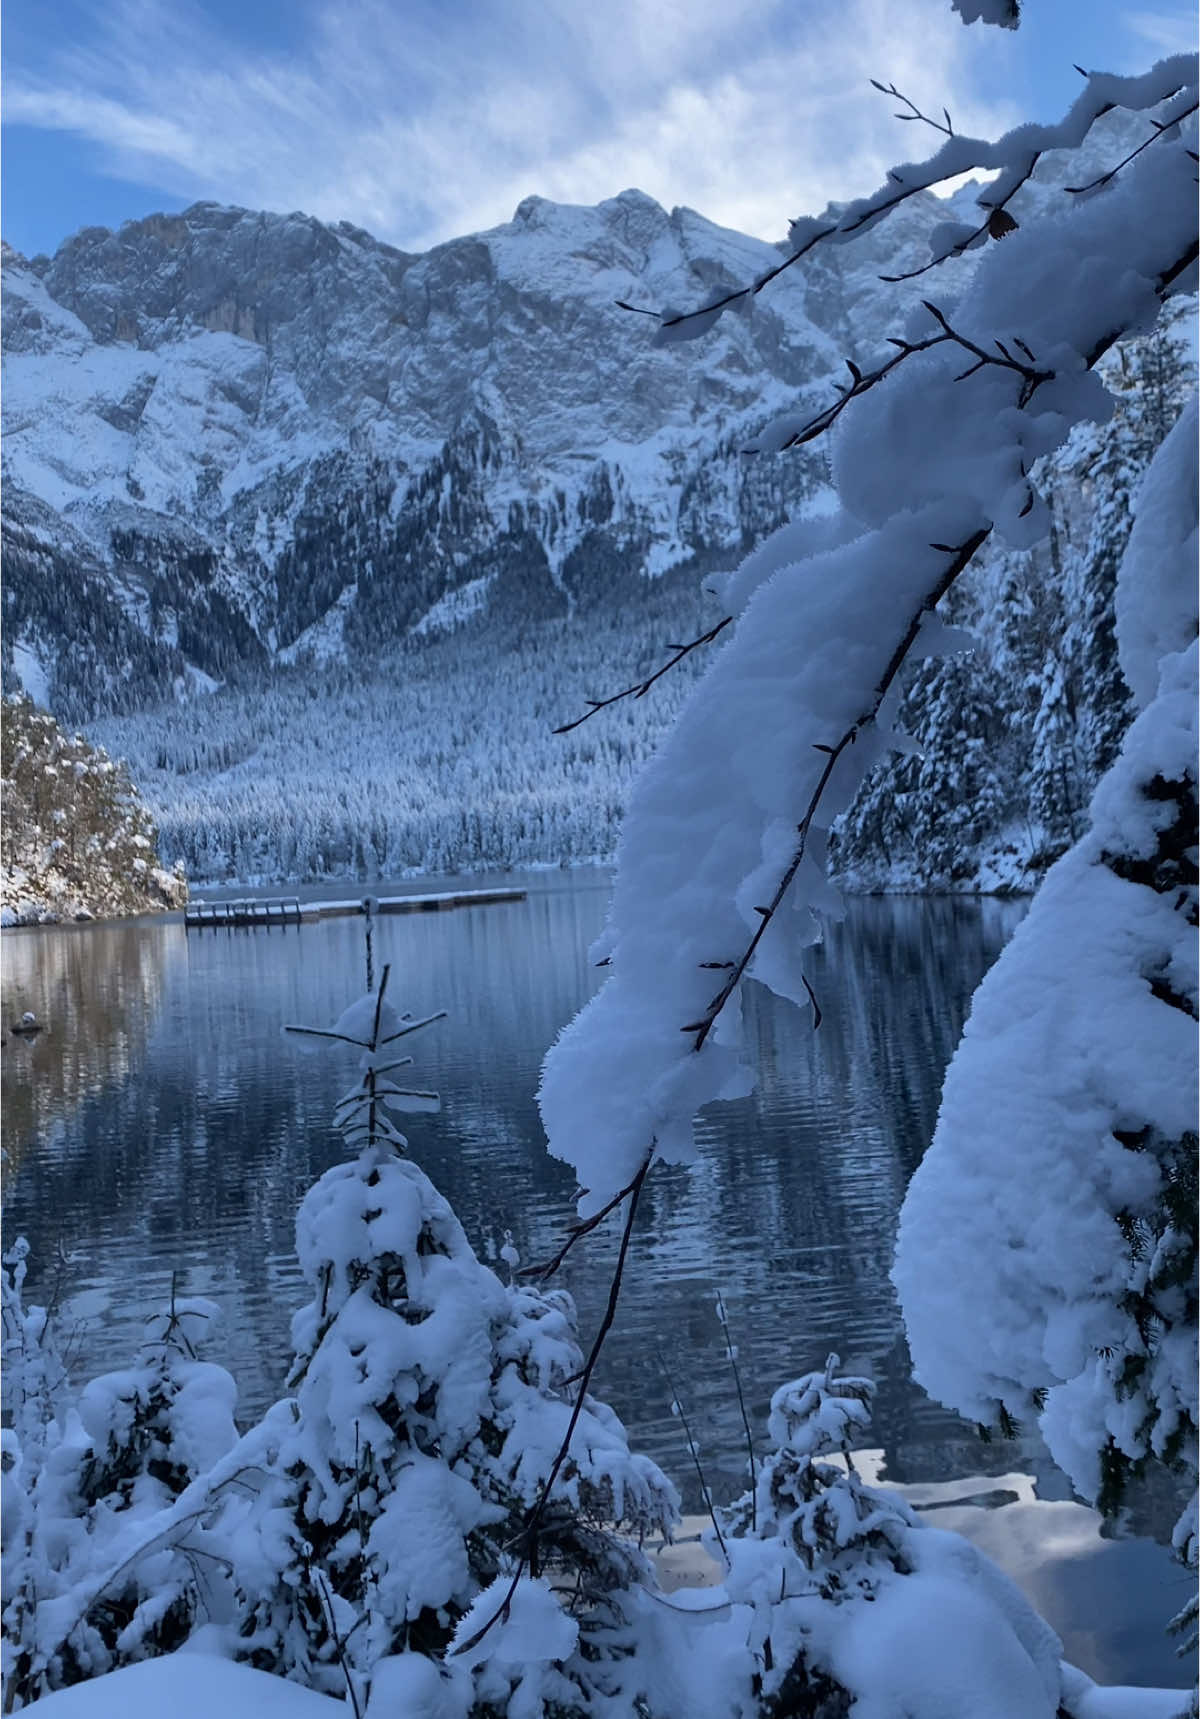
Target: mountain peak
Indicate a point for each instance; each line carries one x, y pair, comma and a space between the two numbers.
264, 428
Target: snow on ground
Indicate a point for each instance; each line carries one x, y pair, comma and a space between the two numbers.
197, 1685
456, 607
187, 1685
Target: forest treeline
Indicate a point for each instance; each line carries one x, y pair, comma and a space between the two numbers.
443, 756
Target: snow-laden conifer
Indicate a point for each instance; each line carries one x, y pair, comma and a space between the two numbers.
836, 1598
429, 1403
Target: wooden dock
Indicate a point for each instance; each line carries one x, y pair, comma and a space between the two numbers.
281, 911
290, 910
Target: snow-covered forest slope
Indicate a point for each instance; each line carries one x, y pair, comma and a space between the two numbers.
76, 839
347, 532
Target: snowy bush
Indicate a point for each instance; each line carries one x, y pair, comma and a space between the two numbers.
836, 1599
90, 1584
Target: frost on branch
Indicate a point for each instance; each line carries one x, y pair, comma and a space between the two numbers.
799, 702
1047, 1252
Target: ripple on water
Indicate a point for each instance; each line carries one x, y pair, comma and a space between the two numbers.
162, 1127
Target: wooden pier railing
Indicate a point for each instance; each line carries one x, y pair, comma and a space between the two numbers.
290, 910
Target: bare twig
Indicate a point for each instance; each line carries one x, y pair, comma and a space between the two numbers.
325, 1033
914, 112
678, 1410
731, 1356
369, 1081
411, 1027
1159, 131
579, 1230
640, 688
339, 1642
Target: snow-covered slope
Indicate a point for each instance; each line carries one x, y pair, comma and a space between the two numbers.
247, 433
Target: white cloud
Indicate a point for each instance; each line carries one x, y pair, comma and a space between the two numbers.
1169, 32
420, 127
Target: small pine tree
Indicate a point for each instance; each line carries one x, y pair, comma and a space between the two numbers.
820, 1533
428, 1402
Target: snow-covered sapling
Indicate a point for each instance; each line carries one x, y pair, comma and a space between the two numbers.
429, 1400
94, 1587
848, 1593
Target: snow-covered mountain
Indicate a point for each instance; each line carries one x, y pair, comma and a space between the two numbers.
231, 438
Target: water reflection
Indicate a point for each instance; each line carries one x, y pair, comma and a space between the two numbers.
164, 1124
96, 991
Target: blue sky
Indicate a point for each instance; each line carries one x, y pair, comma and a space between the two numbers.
421, 121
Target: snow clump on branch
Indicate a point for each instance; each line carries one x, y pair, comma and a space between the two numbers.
734, 811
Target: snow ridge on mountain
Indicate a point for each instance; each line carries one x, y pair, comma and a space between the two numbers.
262, 434
238, 438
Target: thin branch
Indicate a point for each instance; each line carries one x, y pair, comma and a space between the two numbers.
731, 1355
640, 688
678, 1410
324, 1033
339, 1642
579, 1230
914, 112
529, 1534
1159, 131
411, 1027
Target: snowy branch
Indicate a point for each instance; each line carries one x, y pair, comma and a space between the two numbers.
1014, 155
640, 688
795, 708
960, 559
862, 382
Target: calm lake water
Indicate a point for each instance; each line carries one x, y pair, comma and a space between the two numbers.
163, 1123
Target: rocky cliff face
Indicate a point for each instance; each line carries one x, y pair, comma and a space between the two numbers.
235, 437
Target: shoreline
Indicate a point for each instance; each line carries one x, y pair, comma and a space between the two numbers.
341, 887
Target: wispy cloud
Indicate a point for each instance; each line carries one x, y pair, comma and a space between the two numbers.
1169, 32
421, 125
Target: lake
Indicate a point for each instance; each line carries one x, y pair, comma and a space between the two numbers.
163, 1123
